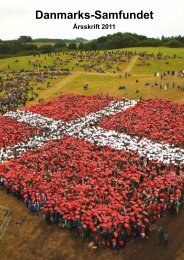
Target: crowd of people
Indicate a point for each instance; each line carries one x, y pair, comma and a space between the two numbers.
14, 89
103, 168
106, 61
65, 107
181, 73
167, 73
84, 127
13, 132
102, 62
69, 106
18, 87
106, 194
99, 193
157, 119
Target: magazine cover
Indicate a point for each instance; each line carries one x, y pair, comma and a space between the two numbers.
91, 130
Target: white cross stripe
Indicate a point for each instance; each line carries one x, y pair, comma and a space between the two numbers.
77, 125
84, 128
17, 150
57, 128
144, 147
45, 122
33, 119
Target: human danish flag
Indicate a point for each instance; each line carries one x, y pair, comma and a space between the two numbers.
96, 159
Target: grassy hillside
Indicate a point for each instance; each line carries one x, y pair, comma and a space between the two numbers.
155, 65
155, 50
107, 82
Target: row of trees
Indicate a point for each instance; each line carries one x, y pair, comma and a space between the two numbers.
123, 40
25, 45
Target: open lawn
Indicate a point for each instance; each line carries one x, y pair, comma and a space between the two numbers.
26, 62
99, 83
110, 83
155, 50
76, 63
107, 82
157, 66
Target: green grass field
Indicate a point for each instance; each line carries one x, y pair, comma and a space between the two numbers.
158, 66
165, 50
108, 82
23, 63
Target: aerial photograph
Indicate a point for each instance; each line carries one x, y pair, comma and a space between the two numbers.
91, 130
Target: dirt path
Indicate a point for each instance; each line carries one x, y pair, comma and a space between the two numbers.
68, 79
33, 239
58, 86
131, 64
50, 92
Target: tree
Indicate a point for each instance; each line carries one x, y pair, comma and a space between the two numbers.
174, 44
72, 46
25, 39
46, 48
81, 46
93, 45
59, 45
101, 40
